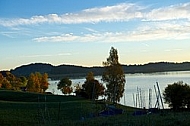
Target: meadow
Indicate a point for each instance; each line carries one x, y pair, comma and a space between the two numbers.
34, 109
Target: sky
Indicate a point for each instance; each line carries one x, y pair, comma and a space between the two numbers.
82, 32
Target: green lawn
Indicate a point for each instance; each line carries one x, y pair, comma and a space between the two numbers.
30, 109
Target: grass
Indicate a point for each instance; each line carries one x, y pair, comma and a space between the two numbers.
30, 109
24, 108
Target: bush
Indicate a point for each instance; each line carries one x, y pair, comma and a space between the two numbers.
177, 95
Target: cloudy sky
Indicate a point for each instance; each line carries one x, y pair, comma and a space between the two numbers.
81, 32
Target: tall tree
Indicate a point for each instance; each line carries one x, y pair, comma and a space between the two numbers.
65, 86
92, 87
114, 77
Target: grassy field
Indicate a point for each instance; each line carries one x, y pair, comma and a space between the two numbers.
33, 109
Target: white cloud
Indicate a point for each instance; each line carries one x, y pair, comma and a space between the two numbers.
171, 22
64, 54
120, 12
173, 50
167, 30
178, 49
174, 12
8, 34
159, 32
91, 30
63, 37
117, 13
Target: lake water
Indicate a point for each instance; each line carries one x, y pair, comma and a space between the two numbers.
137, 86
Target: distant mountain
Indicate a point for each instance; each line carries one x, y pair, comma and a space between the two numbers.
57, 72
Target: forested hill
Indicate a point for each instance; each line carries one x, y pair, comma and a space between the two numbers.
56, 72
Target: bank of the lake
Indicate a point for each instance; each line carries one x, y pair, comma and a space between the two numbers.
143, 82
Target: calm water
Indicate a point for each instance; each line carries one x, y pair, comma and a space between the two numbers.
143, 82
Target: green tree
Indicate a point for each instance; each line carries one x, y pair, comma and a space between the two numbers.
114, 77
177, 95
14, 81
92, 87
65, 86
23, 81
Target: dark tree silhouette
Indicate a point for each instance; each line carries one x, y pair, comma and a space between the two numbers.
92, 87
65, 85
177, 95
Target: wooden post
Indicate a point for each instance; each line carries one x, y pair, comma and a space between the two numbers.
160, 94
157, 97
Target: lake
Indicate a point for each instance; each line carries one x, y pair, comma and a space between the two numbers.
138, 86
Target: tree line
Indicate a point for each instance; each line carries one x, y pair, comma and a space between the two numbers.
72, 71
36, 82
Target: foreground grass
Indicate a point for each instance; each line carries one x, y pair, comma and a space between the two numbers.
30, 109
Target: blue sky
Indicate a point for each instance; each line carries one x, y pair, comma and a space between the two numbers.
82, 32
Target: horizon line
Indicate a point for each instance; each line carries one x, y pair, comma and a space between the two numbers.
93, 65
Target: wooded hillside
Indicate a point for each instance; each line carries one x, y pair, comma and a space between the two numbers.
57, 72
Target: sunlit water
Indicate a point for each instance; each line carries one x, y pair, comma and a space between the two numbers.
143, 82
